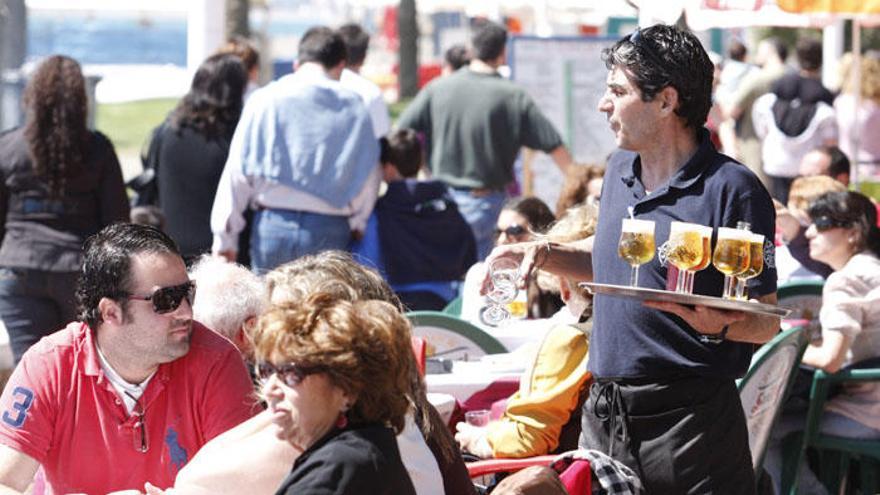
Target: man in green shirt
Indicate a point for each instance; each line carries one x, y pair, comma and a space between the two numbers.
475, 122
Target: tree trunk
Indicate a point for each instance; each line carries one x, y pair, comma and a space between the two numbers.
408, 33
237, 18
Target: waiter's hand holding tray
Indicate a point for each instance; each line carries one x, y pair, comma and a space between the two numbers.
644, 294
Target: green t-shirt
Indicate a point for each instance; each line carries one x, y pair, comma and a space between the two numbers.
475, 124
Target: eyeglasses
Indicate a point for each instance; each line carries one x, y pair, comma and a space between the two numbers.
291, 374
140, 424
511, 231
824, 223
642, 45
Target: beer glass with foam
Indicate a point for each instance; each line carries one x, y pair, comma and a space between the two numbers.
636, 245
731, 256
756, 264
684, 250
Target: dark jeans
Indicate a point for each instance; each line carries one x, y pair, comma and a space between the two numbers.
35, 303
685, 436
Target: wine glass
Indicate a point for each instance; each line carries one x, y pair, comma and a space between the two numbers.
636, 245
731, 256
684, 250
706, 235
756, 264
503, 272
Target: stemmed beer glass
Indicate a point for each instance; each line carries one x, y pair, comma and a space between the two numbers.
684, 250
731, 256
503, 272
636, 245
706, 237
756, 264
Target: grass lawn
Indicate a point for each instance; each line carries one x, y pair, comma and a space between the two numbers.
129, 124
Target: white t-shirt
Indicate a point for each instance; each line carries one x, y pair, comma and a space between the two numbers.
372, 96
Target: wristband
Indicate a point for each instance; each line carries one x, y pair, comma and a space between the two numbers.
715, 338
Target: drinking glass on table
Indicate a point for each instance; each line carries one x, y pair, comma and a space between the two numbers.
731, 256
636, 245
756, 264
503, 272
684, 250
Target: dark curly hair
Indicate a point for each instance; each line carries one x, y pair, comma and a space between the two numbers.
213, 104
661, 56
55, 127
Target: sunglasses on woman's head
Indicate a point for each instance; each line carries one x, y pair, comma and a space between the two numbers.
511, 231
824, 223
167, 299
291, 374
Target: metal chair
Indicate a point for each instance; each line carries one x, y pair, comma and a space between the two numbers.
446, 334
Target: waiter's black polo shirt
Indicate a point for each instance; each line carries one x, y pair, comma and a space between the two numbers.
631, 340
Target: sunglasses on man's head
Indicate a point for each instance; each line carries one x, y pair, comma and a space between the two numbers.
167, 299
291, 374
824, 223
511, 231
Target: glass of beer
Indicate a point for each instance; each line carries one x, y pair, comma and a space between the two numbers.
731, 256
503, 272
636, 245
756, 264
684, 250
706, 237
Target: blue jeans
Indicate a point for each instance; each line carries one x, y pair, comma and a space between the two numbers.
35, 303
831, 424
280, 236
481, 213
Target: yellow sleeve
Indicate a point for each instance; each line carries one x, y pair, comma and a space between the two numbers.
548, 394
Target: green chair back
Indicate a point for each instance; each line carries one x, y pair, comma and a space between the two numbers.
766, 385
447, 334
454, 307
835, 453
804, 299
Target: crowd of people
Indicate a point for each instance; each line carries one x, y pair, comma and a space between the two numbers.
218, 336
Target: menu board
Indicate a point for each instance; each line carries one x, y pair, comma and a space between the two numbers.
566, 78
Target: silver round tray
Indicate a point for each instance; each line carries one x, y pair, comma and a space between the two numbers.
644, 294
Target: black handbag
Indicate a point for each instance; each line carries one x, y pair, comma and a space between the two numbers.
145, 187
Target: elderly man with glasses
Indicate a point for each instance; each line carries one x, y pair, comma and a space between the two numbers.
129, 393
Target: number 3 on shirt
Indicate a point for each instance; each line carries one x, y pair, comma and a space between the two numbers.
25, 399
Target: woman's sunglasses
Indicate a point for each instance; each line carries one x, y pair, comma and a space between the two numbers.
291, 374
167, 299
824, 223
511, 231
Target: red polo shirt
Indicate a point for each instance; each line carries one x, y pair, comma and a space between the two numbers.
60, 409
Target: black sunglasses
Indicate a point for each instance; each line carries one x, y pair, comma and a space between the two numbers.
824, 223
291, 374
511, 231
167, 299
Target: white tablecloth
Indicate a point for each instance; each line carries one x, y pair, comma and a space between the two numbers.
468, 378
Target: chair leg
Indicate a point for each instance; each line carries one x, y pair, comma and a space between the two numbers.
792, 456
869, 469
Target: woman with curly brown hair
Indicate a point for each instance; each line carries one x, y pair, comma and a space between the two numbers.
59, 184
335, 375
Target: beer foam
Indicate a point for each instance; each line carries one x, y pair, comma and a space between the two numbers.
730, 233
638, 226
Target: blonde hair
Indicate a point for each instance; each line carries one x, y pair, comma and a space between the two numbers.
870, 76
574, 187
362, 346
576, 224
805, 190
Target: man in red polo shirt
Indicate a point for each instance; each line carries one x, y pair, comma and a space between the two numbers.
132, 391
